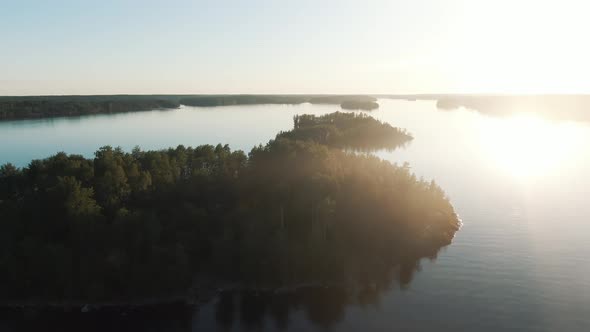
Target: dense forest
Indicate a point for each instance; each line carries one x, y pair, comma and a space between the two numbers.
131, 225
225, 100
14, 108
347, 130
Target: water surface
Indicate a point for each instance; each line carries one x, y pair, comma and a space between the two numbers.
520, 184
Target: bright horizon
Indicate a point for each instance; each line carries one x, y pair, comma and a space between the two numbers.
335, 47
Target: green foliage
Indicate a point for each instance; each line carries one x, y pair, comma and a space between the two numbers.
33, 107
224, 100
347, 130
12, 108
146, 223
78, 202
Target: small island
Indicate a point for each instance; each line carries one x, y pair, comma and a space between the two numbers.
131, 227
347, 130
448, 104
359, 105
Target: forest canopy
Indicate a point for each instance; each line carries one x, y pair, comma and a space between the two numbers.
130, 225
347, 130
31, 108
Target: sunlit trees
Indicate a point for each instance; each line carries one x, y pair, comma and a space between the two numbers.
347, 130
128, 225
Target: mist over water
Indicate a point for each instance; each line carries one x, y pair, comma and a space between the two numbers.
519, 183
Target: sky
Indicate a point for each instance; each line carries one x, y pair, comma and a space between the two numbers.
279, 46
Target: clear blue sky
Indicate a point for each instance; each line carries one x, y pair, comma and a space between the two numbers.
321, 46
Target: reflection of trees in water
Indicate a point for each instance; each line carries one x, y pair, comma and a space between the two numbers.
406, 273
252, 310
234, 310
225, 311
164, 318
322, 306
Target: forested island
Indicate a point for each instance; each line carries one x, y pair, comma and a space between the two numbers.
126, 226
34, 107
359, 105
347, 130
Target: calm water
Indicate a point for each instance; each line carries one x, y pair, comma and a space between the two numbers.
521, 185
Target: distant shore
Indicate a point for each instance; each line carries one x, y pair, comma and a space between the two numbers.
38, 107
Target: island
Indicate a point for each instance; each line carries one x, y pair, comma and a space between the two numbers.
137, 226
347, 130
448, 103
35, 107
359, 105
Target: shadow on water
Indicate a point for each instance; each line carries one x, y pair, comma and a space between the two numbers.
172, 317
240, 310
323, 307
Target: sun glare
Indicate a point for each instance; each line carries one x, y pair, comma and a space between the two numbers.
521, 46
527, 147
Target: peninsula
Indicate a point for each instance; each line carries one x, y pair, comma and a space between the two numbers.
126, 226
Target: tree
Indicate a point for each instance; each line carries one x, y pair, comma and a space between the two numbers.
78, 201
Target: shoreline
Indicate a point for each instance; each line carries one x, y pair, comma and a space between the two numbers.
44, 107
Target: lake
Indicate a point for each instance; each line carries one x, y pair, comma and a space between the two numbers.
520, 184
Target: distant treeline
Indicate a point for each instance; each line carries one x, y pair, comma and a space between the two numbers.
131, 225
549, 106
554, 107
13, 108
275, 99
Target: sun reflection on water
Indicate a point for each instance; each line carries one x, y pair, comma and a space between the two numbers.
528, 147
